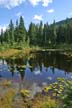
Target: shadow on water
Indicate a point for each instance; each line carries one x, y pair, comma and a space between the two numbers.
39, 69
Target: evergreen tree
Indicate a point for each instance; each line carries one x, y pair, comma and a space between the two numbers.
40, 34
32, 32
11, 32
2, 37
44, 35
16, 32
21, 31
37, 34
6, 36
60, 35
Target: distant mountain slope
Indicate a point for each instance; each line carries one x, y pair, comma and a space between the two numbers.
68, 20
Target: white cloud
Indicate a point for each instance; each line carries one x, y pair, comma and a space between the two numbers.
38, 17
3, 27
50, 10
10, 3
19, 14
13, 3
45, 3
34, 2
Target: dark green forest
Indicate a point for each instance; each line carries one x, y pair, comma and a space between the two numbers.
41, 35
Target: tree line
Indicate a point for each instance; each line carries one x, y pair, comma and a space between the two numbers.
41, 35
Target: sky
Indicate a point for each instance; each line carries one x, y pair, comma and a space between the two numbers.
34, 11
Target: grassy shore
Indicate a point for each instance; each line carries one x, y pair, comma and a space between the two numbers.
16, 52
6, 52
20, 53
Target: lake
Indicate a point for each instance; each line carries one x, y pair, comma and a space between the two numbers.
36, 70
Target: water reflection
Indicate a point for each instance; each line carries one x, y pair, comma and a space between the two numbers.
41, 68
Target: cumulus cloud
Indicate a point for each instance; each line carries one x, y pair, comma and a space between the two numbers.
10, 3
45, 3
38, 17
50, 10
13, 3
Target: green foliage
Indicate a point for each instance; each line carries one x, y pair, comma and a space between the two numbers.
32, 34
56, 35
11, 32
25, 93
61, 90
21, 31
16, 31
67, 98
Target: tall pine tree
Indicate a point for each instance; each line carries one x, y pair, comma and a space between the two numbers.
22, 31
11, 32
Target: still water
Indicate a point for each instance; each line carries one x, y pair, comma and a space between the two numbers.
36, 70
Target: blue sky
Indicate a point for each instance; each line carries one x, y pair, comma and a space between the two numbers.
34, 10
